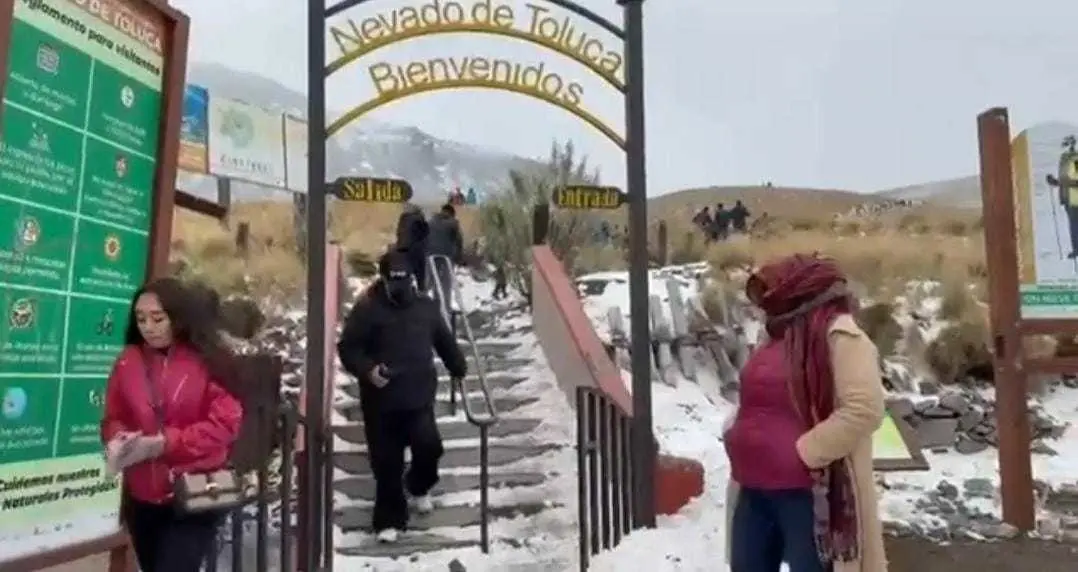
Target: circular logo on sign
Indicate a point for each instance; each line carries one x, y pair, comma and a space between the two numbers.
29, 231
238, 126
127, 96
21, 314
121, 166
112, 247
14, 406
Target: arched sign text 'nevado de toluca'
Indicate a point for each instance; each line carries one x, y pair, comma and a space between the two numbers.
537, 24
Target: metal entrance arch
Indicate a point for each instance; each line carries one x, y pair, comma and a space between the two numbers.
318, 500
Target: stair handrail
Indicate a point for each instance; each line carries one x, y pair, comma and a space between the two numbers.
482, 422
490, 417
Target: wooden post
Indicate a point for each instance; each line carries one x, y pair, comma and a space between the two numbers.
664, 245
1000, 232
243, 239
224, 197
299, 223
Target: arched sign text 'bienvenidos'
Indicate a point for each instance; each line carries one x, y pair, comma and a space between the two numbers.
537, 25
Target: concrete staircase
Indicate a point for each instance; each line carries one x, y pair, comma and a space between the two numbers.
456, 518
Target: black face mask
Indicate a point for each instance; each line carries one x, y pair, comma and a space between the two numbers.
400, 290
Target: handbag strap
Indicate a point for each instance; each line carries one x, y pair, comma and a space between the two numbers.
156, 402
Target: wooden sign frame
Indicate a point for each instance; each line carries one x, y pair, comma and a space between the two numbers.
177, 29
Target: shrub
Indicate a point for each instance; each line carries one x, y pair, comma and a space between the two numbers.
242, 317
958, 351
878, 321
505, 219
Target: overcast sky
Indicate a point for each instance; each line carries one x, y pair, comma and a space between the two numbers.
860, 95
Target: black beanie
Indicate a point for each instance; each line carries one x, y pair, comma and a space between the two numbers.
394, 261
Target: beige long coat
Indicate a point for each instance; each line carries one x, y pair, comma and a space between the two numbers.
847, 435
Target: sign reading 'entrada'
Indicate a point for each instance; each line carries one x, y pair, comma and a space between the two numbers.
588, 197
537, 24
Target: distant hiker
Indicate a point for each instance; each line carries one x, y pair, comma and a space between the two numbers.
446, 239
412, 231
720, 223
500, 281
702, 219
606, 233
739, 217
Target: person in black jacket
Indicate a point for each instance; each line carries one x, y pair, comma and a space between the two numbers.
387, 344
739, 217
412, 234
445, 238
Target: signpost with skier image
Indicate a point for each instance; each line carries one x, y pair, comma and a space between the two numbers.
1045, 161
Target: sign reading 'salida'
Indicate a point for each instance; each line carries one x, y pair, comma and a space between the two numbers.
588, 197
371, 190
536, 24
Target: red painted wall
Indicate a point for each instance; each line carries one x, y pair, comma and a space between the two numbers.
576, 355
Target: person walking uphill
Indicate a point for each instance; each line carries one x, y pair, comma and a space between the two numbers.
800, 446
167, 414
386, 344
412, 233
446, 239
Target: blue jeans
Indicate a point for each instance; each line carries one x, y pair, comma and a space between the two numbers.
772, 527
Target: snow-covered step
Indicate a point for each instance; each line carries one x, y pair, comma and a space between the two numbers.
362, 487
496, 381
490, 348
490, 365
354, 518
450, 430
357, 463
410, 543
442, 408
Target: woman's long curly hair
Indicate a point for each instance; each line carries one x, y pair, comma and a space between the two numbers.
194, 323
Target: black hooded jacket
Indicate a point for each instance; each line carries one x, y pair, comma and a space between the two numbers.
412, 231
445, 237
403, 338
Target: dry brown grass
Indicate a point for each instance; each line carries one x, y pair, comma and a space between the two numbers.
880, 253
882, 263
271, 266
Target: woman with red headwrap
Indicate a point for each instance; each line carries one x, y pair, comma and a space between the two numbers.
800, 446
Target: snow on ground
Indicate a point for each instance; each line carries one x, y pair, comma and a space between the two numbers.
687, 424
615, 291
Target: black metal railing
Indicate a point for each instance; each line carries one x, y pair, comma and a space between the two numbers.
604, 473
489, 416
269, 513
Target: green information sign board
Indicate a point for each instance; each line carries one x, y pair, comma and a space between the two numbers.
78, 144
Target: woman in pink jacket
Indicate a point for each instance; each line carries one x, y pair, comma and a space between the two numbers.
169, 369
800, 446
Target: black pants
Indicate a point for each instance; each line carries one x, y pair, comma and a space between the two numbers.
166, 541
1072, 226
388, 433
417, 258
